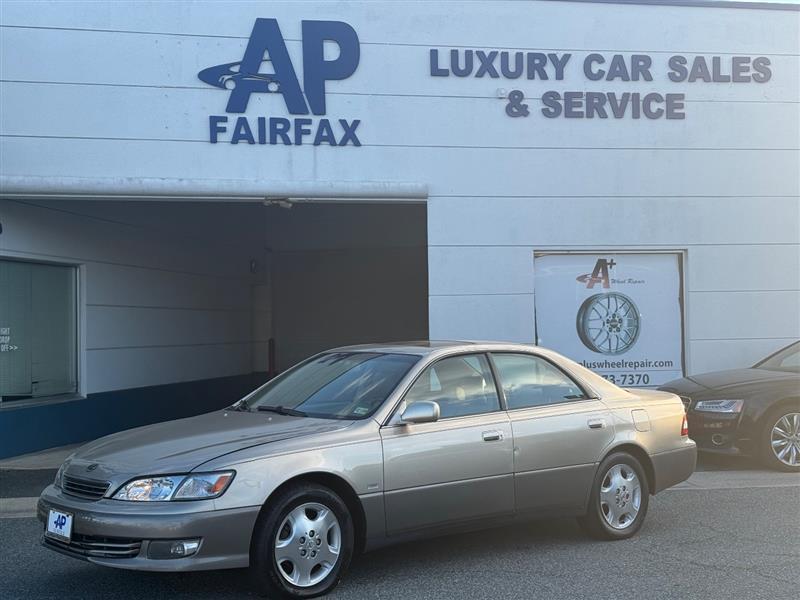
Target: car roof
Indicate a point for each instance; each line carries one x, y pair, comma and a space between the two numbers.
426, 347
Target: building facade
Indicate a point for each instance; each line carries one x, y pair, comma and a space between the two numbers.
196, 195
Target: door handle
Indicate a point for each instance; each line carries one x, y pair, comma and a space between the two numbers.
492, 436
597, 423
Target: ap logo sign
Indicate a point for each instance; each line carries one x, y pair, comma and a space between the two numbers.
266, 67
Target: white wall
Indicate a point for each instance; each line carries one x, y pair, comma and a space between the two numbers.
166, 289
91, 92
742, 265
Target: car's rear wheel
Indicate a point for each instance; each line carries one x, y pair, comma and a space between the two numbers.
780, 438
302, 543
619, 499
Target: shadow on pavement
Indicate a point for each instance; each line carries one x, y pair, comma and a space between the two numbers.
469, 548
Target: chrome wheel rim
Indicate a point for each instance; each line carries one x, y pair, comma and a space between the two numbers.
785, 439
610, 323
308, 544
620, 496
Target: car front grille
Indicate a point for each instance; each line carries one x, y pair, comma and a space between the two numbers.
97, 547
90, 489
687, 402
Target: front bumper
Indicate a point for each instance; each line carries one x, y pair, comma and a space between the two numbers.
224, 534
718, 432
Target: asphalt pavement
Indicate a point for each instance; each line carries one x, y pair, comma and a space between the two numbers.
699, 541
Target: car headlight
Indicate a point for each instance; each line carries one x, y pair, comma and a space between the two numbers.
60, 473
197, 486
719, 406
204, 485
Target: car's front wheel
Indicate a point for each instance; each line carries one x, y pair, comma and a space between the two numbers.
302, 543
780, 439
619, 499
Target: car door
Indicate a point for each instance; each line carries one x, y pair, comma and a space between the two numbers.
560, 433
458, 468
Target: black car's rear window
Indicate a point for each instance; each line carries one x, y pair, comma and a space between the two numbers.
336, 385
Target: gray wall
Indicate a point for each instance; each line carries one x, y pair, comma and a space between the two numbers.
348, 273
167, 294
165, 288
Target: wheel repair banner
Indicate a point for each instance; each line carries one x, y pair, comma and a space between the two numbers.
617, 314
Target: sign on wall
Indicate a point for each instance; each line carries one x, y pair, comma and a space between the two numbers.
618, 314
641, 69
267, 68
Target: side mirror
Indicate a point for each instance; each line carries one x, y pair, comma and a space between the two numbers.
423, 411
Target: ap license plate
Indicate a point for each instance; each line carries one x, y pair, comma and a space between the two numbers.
59, 525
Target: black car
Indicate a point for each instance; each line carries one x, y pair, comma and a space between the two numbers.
754, 412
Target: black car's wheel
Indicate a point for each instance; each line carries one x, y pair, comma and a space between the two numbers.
619, 499
302, 543
780, 438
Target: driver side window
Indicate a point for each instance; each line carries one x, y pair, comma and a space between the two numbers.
461, 385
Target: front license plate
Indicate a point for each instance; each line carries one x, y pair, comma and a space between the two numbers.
59, 525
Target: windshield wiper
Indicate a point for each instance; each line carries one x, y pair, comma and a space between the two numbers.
282, 411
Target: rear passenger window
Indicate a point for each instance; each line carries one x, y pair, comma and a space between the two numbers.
532, 381
461, 385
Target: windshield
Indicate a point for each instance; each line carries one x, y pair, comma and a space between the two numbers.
336, 385
787, 359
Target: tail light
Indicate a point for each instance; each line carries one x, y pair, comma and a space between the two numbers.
685, 427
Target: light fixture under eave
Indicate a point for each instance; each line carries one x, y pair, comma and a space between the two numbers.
279, 202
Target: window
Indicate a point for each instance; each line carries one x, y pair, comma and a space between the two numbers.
336, 385
461, 385
532, 381
787, 359
37, 330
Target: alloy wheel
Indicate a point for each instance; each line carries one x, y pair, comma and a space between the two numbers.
785, 439
620, 496
608, 323
308, 544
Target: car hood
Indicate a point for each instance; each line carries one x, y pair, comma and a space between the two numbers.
183, 445
726, 380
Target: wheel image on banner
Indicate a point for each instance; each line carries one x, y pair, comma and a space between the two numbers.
608, 323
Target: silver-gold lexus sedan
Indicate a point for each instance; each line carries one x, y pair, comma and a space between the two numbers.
364, 446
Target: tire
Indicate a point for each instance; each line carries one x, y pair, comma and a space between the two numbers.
310, 526
787, 418
619, 499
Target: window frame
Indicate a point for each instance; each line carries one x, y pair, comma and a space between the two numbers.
588, 394
391, 422
763, 361
80, 392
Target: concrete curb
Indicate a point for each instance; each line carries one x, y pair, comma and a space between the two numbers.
18, 508
46, 459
